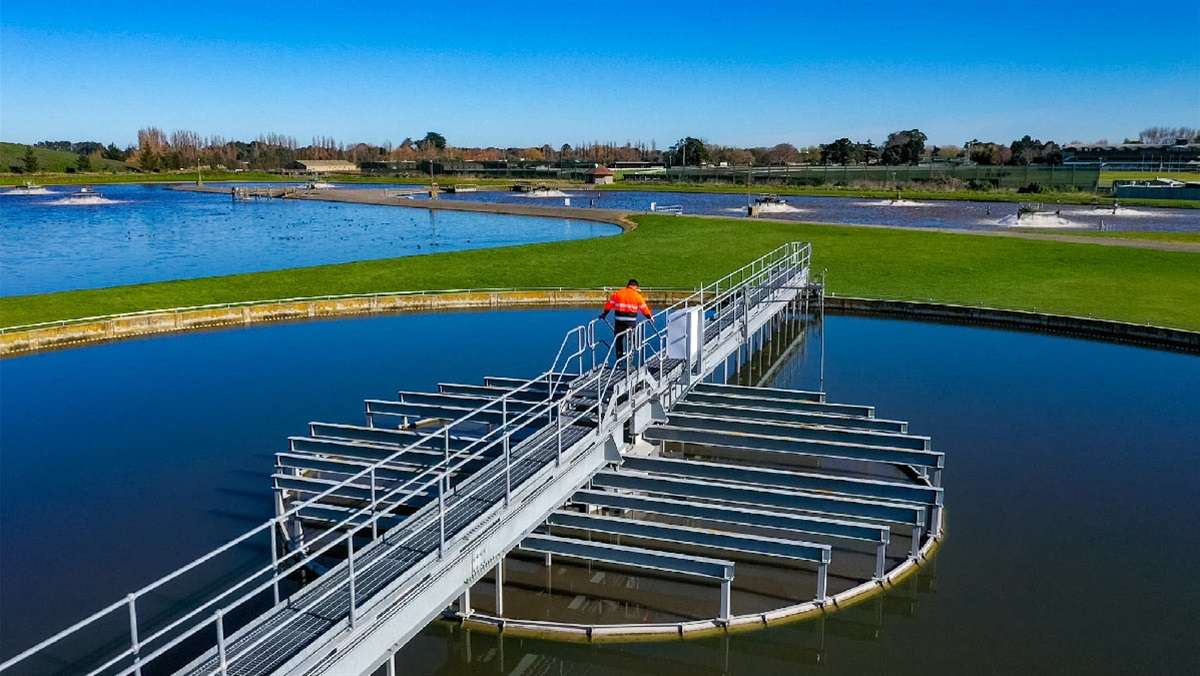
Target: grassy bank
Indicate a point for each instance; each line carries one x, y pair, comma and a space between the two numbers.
101, 178
1140, 285
1184, 237
1107, 177
51, 161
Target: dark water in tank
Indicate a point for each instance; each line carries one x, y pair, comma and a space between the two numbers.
1070, 483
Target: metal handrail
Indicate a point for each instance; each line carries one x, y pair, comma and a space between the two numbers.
131, 598
638, 344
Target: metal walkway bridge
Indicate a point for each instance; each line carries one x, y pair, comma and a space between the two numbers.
380, 527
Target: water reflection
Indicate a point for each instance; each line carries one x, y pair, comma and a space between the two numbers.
848, 641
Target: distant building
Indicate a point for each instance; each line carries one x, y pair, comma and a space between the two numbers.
638, 165
323, 166
600, 175
1158, 189
389, 168
1180, 155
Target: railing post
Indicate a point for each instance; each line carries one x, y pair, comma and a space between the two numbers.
374, 507
507, 452
441, 515
275, 560
500, 587
918, 532
222, 661
726, 592
599, 407
746, 320
133, 634
558, 435
350, 564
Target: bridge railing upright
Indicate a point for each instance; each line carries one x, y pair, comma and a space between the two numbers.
722, 302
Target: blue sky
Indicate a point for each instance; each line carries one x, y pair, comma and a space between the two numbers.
519, 74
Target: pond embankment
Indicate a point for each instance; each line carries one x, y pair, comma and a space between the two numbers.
57, 335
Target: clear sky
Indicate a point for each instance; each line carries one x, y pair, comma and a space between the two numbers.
744, 73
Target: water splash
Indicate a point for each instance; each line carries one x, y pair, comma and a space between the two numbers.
1037, 220
1119, 212
19, 191
895, 203
778, 209
90, 200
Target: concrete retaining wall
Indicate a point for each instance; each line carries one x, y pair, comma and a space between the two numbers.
1082, 327
169, 321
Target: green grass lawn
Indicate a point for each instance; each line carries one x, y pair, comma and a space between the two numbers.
94, 178
1107, 177
667, 251
1184, 237
13, 154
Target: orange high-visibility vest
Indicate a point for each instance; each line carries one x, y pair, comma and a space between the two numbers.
627, 302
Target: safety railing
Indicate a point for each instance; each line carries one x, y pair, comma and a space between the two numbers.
584, 367
210, 614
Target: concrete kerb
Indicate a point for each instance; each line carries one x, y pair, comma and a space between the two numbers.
57, 335
70, 333
1145, 335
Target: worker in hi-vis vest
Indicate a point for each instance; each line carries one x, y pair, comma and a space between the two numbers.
628, 302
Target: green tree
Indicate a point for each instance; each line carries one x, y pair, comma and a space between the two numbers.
84, 163
112, 152
904, 147
30, 160
689, 150
842, 151
148, 160
434, 139
1028, 150
1024, 150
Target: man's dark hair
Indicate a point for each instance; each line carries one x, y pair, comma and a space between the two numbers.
632, 282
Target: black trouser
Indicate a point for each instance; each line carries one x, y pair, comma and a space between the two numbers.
624, 329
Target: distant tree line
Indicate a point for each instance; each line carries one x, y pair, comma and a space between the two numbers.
1160, 135
157, 150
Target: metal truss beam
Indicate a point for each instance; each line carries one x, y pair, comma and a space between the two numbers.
774, 478
793, 446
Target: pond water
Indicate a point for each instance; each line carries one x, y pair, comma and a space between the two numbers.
1070, 481
905, 213
133, 234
